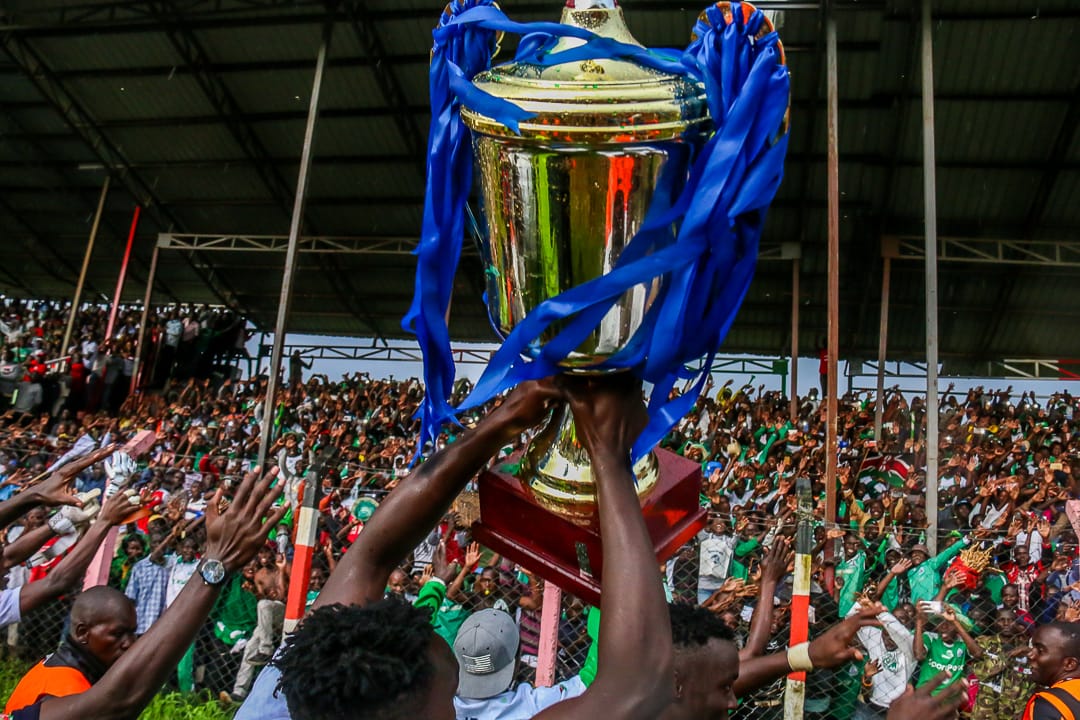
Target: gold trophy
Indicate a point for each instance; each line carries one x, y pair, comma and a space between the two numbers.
562, 199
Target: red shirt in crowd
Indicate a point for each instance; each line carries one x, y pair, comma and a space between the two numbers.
78, 373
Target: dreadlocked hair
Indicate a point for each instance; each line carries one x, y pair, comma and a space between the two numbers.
362, 663
693, 626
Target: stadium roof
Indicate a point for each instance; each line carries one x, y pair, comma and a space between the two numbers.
197, 109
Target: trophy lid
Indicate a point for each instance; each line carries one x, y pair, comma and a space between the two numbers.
592, 101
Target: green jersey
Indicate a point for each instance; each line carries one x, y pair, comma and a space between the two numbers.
853, 573
942, 656
925, 578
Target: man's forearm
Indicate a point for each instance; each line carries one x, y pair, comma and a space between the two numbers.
757, 672
632, 597
12, 508
760, 623
27, 544
70, 570
407, 516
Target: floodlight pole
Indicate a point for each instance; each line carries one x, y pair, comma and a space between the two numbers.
85, 267
139, 350
833, 347
930, 209
882, 346
291, 254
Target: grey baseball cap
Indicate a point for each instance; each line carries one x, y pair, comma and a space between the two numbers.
486, 649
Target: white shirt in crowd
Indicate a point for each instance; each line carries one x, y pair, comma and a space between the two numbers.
896, 665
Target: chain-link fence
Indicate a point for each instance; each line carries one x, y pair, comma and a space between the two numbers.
975, 627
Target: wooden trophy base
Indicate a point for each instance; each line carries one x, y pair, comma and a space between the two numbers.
570, 555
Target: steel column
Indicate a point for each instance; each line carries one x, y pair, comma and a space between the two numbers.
833, 347
147, 296
85, 267
291, 253
123, 274
883, 339
930, 208
794, 395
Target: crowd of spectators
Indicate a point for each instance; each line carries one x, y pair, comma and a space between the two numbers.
1005, 562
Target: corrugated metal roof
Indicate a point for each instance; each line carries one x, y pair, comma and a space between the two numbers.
1005, 81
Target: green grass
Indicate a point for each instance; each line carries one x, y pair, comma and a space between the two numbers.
164, 706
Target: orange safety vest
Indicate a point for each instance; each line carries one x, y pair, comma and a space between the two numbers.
41, 681
1063, 696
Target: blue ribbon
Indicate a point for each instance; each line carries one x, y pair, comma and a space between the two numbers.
706, 265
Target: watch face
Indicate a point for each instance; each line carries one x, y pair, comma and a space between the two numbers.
212, 571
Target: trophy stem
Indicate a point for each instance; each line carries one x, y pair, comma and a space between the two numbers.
557, 470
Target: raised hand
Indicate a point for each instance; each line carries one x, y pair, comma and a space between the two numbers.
833, 647
609, 413
775, 563
120, 506
872, 668
923, 704
234, 534
472, 556
58, 488
901, 566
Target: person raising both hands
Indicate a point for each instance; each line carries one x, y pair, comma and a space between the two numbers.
234, 532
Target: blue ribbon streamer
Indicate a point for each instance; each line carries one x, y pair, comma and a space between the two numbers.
718, 209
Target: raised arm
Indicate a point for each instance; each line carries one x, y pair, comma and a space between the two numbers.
69, 572
27, 544
920, 627
55, 490
831, 649
634, 619
414, 507
774, 566
233, 537
975, 650
901, 567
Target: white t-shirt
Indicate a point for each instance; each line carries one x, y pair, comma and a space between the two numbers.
716, 552
521, 703
179, 573
9, 606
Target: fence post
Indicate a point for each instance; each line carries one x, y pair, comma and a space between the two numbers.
795, 693
548, 652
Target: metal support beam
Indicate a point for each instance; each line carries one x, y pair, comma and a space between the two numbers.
883, 341
140, 350
794, 392
993, 251
930, 207
372, 245
123, 273
833, 340
85, 266
281, 325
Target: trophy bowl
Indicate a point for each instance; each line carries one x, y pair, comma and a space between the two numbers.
562, 199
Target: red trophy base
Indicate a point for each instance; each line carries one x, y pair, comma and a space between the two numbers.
570, 555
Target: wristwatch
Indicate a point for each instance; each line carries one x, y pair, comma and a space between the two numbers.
212, 571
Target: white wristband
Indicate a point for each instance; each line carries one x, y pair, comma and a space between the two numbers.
798, 657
